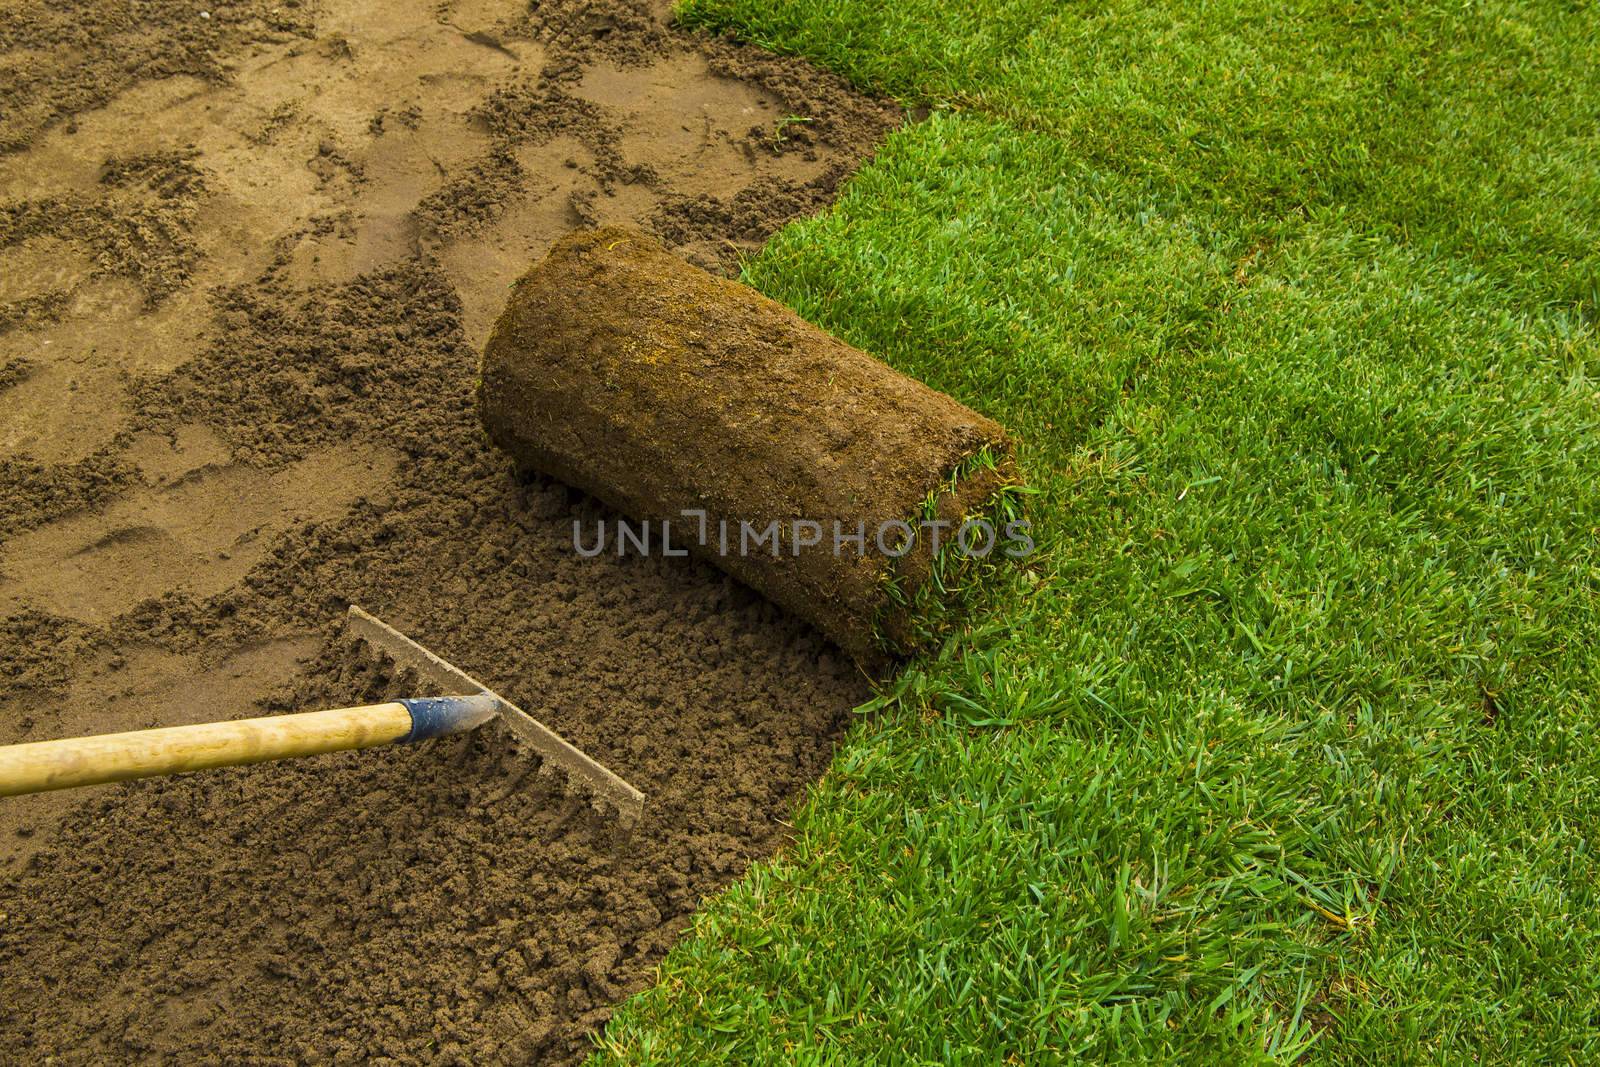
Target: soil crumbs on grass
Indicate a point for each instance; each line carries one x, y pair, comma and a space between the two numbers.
247, 258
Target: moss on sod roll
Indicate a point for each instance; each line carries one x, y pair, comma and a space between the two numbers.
667, 392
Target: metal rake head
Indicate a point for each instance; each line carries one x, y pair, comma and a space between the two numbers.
452, 680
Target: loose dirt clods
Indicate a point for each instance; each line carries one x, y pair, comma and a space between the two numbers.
246, 263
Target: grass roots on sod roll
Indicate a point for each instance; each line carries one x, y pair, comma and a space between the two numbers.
668, 392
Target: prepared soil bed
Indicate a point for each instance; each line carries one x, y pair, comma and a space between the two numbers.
247, 264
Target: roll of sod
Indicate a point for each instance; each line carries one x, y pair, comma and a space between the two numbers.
805, 468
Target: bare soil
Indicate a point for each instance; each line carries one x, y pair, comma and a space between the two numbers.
247, 260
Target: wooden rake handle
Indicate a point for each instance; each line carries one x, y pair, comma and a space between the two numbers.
43, 765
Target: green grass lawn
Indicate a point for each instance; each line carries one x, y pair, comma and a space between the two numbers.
1286, 739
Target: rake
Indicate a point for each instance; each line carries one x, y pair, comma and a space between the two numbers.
464, 705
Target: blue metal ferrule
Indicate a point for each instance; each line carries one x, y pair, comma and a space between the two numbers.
442, 716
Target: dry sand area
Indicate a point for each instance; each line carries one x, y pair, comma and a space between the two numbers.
248, 254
